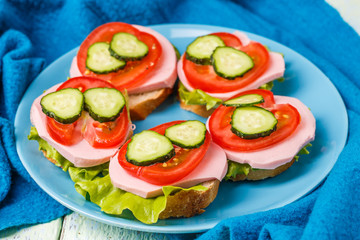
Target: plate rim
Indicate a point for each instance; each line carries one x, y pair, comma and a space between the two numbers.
172, 228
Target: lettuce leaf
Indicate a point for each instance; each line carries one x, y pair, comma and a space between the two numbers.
112, 200
95, 185
235, 168
303, 151
198, 97
267, 86
50, 151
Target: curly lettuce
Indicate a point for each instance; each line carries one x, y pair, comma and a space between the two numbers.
198, 97
98, 189
235, 169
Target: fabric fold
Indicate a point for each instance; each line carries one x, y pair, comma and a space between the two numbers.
21, 200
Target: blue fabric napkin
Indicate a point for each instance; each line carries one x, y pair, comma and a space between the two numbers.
44, 30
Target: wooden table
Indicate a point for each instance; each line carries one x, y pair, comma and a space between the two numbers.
76, 226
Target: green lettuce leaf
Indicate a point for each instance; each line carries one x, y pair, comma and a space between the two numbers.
267, 86
198, 97
95, 185
270, 85
235, 168
99, 190
303, 151
50, 151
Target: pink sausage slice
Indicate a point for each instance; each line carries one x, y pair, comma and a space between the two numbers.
213, 166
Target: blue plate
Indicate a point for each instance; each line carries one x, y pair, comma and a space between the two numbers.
303, 80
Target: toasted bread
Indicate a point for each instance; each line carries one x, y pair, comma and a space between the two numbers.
190, 203
142, 104
260, 174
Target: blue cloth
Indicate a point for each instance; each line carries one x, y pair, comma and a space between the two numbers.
311, 27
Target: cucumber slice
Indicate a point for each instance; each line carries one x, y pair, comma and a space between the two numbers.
252, 122
189, 134
245, 100
231, 63
200, 50
100, 61
104, 104
125, 46
149, 147
65, 105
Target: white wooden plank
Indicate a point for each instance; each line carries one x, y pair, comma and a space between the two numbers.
45, 231
78, 227
349, 11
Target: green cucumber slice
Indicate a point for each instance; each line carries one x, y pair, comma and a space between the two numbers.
104, 104
252, 122
231, 63
200, 50
125, 46
189, 134
149, 147
245, 100
65, 105
100, 61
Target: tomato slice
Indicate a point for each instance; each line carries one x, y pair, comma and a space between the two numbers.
84, 83
98, 135
107, 134
184, 161
66, 134
288, 119
204, 77
229, 39
135, 71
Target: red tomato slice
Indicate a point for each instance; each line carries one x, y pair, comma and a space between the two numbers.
184, 162
204, 77
66, 134
84, 83
288, 119
229, 39
135, 71
108, 134
98, 135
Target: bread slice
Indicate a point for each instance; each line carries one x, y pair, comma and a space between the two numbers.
190, 203
142, 104
260, 174
198, 109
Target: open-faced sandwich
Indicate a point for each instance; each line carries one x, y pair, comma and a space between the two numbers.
220, 65
261, 134
83, 121
130, 57
179, 154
